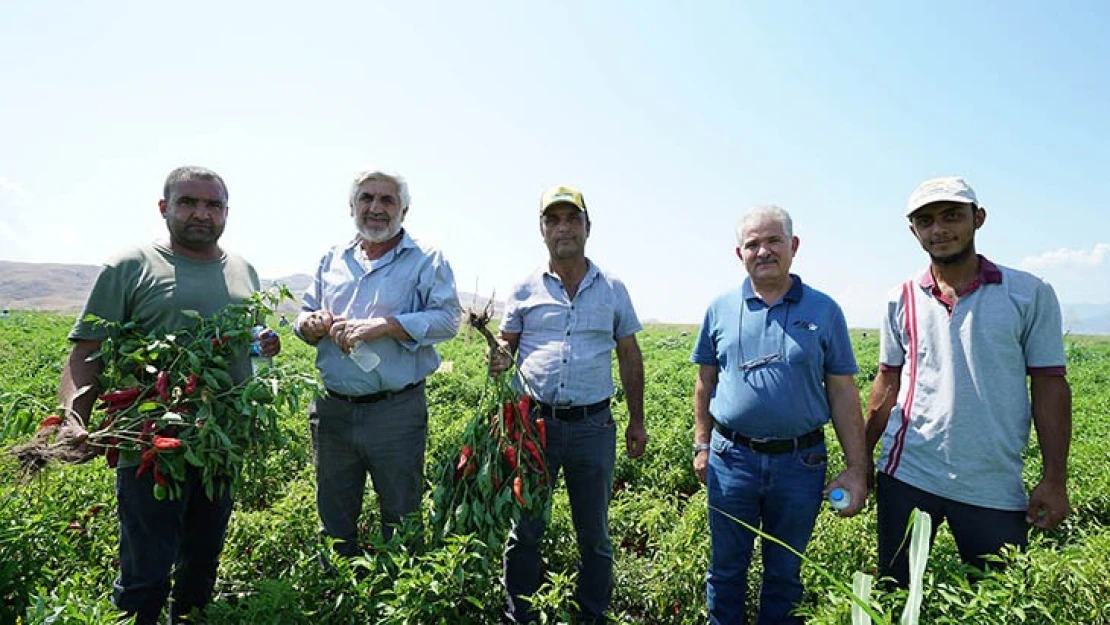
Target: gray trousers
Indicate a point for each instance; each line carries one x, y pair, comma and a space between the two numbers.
385, 439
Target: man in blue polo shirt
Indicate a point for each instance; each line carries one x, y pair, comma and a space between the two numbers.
377, 306
564, 322
775, 362
970, 353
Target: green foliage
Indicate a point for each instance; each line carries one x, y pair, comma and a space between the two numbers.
58, 557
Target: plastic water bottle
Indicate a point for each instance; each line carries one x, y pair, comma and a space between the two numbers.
365, 357
839, 498
258, 361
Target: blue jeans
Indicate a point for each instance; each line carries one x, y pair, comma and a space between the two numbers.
183, 536
781, 495
586, 452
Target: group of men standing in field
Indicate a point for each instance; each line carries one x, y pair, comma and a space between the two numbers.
775, 363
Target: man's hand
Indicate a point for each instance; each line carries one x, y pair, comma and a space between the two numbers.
853, 480
1048, 505
346, 332
701, 463
317, 325
635, 439
500, 359
74, 435
269, 343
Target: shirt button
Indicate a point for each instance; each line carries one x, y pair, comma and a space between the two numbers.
564, 361
561, 385
568, 332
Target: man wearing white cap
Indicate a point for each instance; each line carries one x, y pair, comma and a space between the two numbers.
950, 401
563, 323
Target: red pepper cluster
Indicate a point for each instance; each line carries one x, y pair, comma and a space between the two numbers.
500, 471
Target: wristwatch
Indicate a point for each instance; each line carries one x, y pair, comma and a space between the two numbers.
699, 447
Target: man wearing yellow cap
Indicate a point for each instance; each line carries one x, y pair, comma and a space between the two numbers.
563, 323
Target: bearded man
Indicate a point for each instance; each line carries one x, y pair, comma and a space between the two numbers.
392, 298
970, 354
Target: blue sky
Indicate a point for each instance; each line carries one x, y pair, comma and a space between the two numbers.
673, 118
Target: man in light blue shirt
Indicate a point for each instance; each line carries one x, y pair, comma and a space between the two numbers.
375, 309
564, 322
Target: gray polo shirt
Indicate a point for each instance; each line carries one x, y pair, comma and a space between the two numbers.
566, 346
962, 419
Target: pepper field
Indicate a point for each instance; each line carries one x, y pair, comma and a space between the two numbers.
58, 532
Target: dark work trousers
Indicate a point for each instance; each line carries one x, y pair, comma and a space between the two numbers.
181, 538
385, 439
978, 531
585, 452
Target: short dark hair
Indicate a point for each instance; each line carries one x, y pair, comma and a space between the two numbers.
191, 172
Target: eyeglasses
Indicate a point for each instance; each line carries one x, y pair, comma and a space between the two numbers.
756, 363
747, 365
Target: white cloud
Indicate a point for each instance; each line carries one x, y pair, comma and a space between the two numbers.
1065, 258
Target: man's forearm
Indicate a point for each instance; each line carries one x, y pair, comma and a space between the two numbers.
884, 393
1051, 407
847, 419
77, 390
704, 387
632, 379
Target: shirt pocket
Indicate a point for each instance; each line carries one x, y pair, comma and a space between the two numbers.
597, 318
803, 344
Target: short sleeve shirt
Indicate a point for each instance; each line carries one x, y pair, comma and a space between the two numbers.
152, 286
962, 419
772, 359
566, 345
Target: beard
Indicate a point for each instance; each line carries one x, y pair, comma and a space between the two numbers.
377, 234
197, 237
956, 258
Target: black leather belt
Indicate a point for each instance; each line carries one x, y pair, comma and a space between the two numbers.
373, 397
571, 413
772, 445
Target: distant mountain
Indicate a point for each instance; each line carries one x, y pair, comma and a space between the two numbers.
64, 288
1087, 318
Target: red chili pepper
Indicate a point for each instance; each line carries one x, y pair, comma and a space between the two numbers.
148, 428
464, 456
117, 401
163, 443
510, 455
495, 481
50, 422
147, 461
518, 490
507, 415
191, 384
112, 456
162, 385
541, 429
522, 411
530, 447
215, 342
123, 395
159, 478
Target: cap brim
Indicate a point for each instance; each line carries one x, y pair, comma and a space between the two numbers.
544, 208
938, 198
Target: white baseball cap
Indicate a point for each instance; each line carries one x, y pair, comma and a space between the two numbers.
949, 189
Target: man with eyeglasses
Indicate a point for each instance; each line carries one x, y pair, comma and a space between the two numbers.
775, 362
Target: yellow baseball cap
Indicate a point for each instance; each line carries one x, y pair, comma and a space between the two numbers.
558, 194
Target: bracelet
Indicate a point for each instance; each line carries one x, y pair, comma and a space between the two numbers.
700, 447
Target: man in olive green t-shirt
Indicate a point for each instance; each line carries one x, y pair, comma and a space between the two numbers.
152, 285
